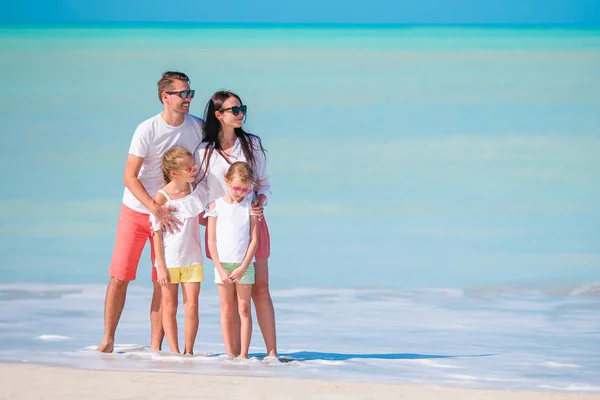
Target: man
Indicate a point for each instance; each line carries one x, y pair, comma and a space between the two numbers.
143, 177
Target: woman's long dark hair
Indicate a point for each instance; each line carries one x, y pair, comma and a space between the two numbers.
212, 127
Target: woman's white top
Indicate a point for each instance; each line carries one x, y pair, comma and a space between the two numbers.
214, 180
182, 248
233, 229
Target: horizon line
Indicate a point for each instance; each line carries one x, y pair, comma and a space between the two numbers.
291, 25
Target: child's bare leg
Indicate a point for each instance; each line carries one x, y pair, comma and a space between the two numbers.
236, 327
244, 293
227, 298
191, 292
169, 306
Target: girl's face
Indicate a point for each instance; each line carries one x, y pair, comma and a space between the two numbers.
226, 115
237, 189
186, 171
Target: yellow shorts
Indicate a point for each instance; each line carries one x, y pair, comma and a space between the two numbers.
193, 273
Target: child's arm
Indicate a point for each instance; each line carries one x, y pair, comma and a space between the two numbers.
159, 248
211, 227
237, 273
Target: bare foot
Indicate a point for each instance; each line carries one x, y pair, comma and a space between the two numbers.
106, 347
272, 353
271, 360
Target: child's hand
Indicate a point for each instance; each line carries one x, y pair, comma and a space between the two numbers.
163, 275
224, 275
237, 274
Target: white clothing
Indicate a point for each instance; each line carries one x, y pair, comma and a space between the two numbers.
150, 141
233, 229
214, 180
183, 248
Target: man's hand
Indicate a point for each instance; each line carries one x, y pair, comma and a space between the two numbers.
166, 220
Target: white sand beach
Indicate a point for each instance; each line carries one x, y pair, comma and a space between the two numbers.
24, 381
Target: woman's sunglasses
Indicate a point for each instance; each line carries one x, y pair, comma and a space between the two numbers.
184, 94
235, 110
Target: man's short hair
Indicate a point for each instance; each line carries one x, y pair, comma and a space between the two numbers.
166, 81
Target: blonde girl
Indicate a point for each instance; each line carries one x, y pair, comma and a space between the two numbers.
233, 240
179, 253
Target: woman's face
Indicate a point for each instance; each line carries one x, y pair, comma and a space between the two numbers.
226, 115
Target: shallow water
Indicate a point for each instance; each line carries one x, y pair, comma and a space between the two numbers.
512, 338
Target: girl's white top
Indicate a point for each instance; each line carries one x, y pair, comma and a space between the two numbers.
233, 229
183, 248
214, 180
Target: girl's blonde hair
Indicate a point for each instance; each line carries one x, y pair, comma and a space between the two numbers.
241, 170
172, 160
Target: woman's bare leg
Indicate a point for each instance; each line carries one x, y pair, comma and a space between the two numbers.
265, 313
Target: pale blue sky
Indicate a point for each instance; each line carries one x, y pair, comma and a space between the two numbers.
569, 12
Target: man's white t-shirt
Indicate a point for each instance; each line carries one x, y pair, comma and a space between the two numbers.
150, 141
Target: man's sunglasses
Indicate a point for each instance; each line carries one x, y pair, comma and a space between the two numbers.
235, 110
184, 94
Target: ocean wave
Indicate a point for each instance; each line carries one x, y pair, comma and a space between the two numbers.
553, 364
53, 338
574, 387
591, 288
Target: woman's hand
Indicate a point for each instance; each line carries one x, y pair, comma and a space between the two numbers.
257, 206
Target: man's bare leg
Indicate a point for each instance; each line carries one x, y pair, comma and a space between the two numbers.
113, 307
157, 333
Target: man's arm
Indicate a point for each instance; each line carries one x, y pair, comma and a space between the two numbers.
132, 182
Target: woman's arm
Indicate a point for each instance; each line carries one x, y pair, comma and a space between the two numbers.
262, 179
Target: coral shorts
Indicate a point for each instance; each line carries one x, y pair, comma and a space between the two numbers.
264, 241
133, 231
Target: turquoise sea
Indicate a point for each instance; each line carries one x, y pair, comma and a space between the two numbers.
436, 203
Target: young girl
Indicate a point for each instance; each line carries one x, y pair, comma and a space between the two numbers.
179, 253
233, 240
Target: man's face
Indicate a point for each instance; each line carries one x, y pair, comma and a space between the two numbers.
172, 98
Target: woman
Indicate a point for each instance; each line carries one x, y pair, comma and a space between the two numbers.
226, 142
